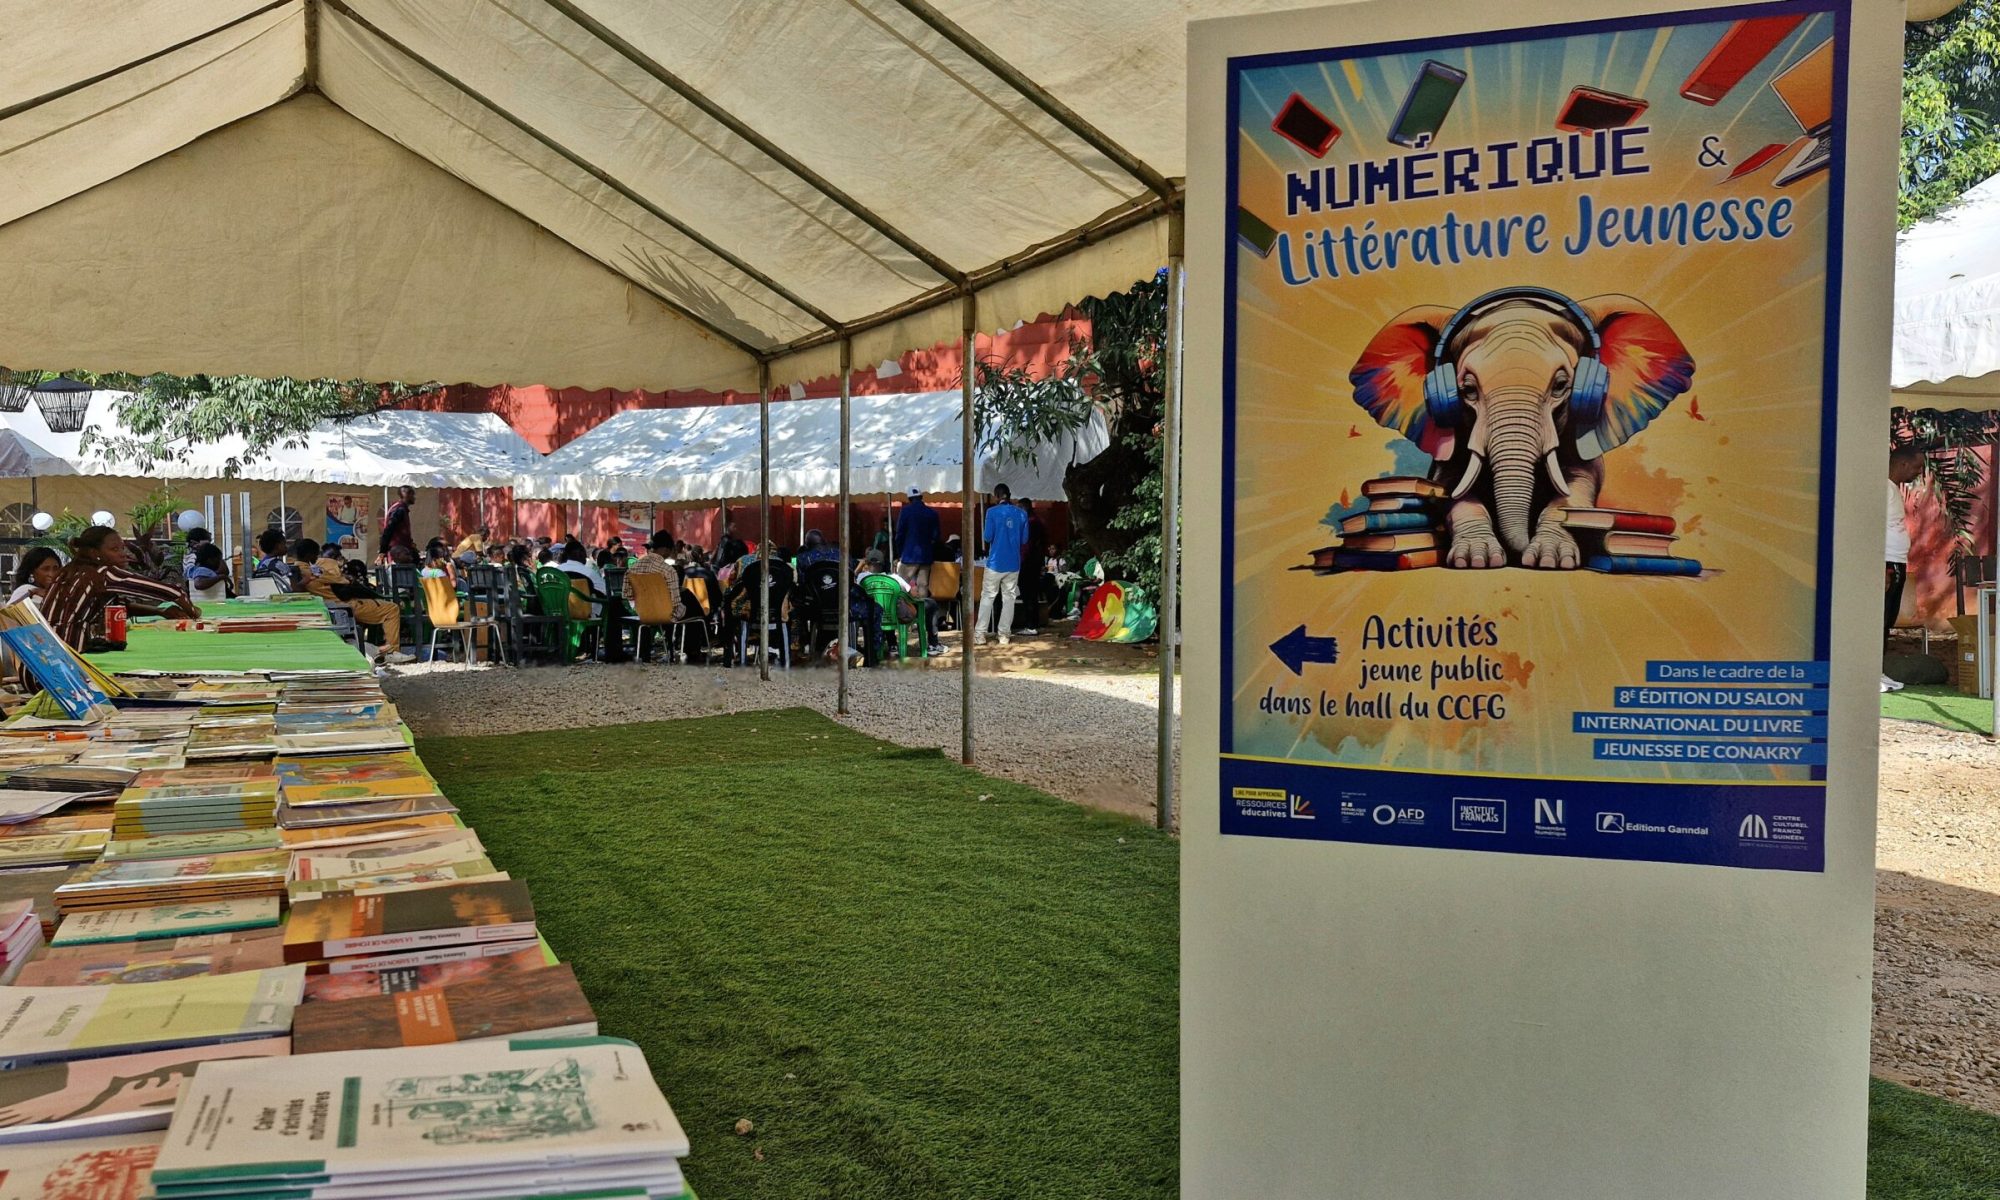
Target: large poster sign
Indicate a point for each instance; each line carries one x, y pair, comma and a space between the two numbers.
1528, 419
346, 520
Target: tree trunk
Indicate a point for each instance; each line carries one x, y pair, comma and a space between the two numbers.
1098, 489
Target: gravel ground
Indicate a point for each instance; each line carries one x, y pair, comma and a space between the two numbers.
1072, 722
1080, 724
1937, 914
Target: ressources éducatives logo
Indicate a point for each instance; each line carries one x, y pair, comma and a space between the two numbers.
1302, 808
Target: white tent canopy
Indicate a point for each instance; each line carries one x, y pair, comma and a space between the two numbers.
1947, 334
620, 193
680, 455
385, 449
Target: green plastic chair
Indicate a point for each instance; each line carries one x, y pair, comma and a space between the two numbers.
552, 587
885, 592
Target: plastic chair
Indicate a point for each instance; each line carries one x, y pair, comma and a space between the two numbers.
264, 585
699, 615
552, 586
944, 589
779, 590
819, 585
214, 592
442, 611
886, 592
346, 626
655, 605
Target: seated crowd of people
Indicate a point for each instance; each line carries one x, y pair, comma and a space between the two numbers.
715, 593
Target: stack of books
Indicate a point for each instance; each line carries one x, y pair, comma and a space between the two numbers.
51, 849
253, 736
20, 937
143, 812
1619, 541
445, 857
85, 1100
36, 886
150, 922
515, 1118
541, 1002
1398, 531
127, 883
75, 965
347, 789
189, 845
56, 1024
372, 931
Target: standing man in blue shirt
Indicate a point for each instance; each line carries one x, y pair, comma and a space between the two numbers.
1006, 537
916, 539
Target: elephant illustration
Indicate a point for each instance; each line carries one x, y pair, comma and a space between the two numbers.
1516, 397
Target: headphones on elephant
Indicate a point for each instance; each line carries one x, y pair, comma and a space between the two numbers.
1587, 387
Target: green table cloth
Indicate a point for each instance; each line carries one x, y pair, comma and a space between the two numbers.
155, 647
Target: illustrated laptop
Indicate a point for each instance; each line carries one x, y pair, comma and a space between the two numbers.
1806, 87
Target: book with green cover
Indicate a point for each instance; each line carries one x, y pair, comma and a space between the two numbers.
53, 1024
181, 920
418, 1112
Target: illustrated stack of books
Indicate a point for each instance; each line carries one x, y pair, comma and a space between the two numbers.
57, 1024
20, 937
51, 849
37, 886
123, 961
253, 735
347, 789
448, 856
129, 883
195, 808
86, 1100
517, 1118
1620, 541
1398, 531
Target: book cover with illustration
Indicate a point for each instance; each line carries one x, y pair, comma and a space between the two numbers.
355, 985
542, 1000
53, 1024
1526, 346
182, 919
99, 1096
422, 1110
364, 923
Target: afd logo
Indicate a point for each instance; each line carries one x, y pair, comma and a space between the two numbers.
1302, 809
1610, 822
1549, 818
1754, 829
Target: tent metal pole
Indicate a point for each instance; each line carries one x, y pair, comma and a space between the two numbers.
967, 348
285, 526
764, 521
846, 547
1170, 517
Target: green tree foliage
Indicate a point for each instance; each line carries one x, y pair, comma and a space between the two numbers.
166, 414
1114, 498
1951, 103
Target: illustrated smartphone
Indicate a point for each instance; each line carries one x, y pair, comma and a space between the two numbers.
1742, 46
1306, 127
1255, 233
1590, 108
1425, 107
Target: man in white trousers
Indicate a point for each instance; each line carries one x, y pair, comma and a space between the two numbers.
1006, 536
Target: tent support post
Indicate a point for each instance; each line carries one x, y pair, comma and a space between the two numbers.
286, 530
1170, 518
764, 522
968, 349
846, 547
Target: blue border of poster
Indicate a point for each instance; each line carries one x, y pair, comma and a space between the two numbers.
1701, 821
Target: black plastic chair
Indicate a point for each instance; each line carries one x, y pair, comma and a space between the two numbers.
817, 602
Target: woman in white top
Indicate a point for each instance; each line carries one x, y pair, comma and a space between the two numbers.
35, 573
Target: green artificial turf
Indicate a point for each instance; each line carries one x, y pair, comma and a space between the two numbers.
914, 980
1924, 1148
1939, 705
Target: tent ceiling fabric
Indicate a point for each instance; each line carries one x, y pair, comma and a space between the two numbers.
763, 177
1946, 351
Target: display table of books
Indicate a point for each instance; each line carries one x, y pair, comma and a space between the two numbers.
248, 950
292, 633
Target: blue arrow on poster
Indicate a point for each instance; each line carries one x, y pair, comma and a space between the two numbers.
1296, 649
